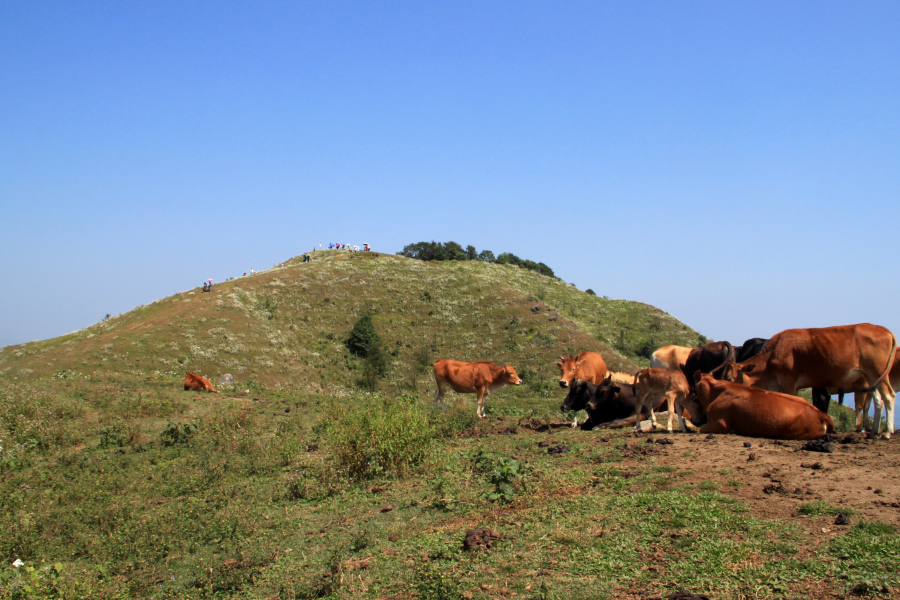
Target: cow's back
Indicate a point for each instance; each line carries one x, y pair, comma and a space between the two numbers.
592, 367
464, 375
670, 357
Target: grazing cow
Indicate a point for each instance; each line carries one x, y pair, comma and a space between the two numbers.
657, 385
588, 366
197, 383
669, 357
753, 412
480, 378
710, 358
848, 356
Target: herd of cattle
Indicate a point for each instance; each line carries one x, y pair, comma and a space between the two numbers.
747, 390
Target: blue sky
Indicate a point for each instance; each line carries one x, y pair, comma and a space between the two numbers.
736, 164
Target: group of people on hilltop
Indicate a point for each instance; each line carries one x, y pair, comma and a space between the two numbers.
338, 246
207, 287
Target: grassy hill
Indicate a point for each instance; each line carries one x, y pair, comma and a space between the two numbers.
285, 327
298, 482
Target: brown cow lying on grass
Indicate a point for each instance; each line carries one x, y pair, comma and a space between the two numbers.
654, 386
480, 378
197, 383
588, 366
742, 410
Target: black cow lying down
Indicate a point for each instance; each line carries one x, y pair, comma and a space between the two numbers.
608, 405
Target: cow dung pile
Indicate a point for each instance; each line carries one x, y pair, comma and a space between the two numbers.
822, 445
480, 539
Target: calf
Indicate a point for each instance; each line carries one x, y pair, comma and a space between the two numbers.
849, 357
657, 385
480, 378
588, 366
197, 383
735, 408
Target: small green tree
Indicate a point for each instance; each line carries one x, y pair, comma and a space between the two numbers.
363, 339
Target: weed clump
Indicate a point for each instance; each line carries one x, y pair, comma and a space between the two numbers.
378, 436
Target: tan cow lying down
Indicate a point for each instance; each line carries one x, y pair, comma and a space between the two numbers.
588, 366
197, 383
670, 357
829, 357
654, 385
742, 410
480, 378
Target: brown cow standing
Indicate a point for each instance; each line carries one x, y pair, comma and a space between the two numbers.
480, 378
670, 357
197, 383
848, 356
588, 366
753, 412
654, 385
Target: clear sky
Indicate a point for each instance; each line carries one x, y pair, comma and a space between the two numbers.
736, 164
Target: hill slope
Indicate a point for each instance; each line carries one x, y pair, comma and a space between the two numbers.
285, 327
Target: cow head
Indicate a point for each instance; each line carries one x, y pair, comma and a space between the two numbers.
734, 372
605, 392
567, 369
577, 397
698, 415
510, 376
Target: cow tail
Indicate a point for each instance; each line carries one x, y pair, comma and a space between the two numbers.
890, 364
634, 383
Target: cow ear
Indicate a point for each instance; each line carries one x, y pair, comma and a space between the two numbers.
579, 363
559, 364
747, 368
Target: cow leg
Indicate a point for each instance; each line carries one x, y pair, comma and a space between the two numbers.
481, 394
439, 397
876, 419
638, 409
717, 426
887, 399
670, 402
861, 410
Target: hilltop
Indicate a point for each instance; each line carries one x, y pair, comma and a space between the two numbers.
285, 327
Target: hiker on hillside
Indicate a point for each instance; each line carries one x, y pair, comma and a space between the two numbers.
205, 289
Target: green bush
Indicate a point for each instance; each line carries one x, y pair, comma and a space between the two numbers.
380, 436
363, 338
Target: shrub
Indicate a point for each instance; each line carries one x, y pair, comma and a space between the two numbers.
363, 338
591, 292
379, 436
